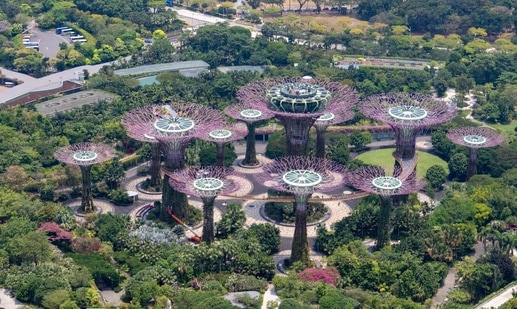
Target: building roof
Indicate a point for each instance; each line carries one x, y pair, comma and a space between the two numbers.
164, 67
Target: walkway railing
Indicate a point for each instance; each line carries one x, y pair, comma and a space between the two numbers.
288, 199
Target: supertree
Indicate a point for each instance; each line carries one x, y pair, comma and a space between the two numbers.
373, 179
85, 155
297, 103
335, 114
474, 138
206, 182
139, 135
224, 134
301, 176
173, 125
408, 114
247, 113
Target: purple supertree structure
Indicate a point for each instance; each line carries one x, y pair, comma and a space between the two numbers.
224, 134
474, 138
173, 125
139, 135
301, 176
297, 103
85, 155
335, 114
408, 114
206, 182
373, 179
247, 113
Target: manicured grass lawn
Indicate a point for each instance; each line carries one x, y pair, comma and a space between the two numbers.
384, 158
509, 128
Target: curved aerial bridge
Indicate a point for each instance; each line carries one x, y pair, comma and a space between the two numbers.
289, 199
407, 165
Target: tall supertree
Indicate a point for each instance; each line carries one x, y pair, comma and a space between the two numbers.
297, 103
474, 138
173, 125
335, 114
224, 134
246, 113
85, 155
301, 176
140, 135
373, 179
206, 182
408, 114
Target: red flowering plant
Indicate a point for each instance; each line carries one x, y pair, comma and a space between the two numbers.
328, 275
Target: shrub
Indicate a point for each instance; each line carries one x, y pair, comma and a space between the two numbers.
328, 275
120, 197
102, 272
238, 283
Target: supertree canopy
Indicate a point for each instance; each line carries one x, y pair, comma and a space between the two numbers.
173, 125
474, 138
85, 155
297, 103
246, 113
206, 182
301, 176
408, 114
224, 134
374, 180
136, 133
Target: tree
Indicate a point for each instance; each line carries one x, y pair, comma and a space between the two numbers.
114, 174
436, 176
458, 166
32, 247
232, 220
360, 139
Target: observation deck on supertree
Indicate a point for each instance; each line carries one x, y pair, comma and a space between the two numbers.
173, 125
224, 134
474, 138
137, 134
374, 180
206, 182
246, 113
301, 176
408, 114
297, 103
85, 155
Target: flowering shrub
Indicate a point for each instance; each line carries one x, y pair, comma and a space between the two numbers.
328, 275
55, 232
155, 235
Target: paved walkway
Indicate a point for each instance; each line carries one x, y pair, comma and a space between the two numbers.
7, 301
270, 295
499, 299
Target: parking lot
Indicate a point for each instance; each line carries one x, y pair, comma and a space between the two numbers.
48, 41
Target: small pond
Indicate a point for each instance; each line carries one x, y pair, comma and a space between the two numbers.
148, 80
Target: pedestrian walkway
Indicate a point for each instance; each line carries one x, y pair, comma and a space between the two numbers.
499, 299
270, 296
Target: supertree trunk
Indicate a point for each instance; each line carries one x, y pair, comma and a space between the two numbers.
87, 197
250, 158
320, 142
175, 200
406, 142
156, 179
208, 219
219, 157
473, 158
384, 226
296, 135
300, 246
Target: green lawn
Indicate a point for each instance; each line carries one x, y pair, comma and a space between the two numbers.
509, 128
384, 158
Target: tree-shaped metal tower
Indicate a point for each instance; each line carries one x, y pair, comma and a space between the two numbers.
301, 176
224, 134
296, 103
408, 114
247, 113
373, 179
474, 138
335, 114
206, 182
85, 155
136, 133
173, 125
